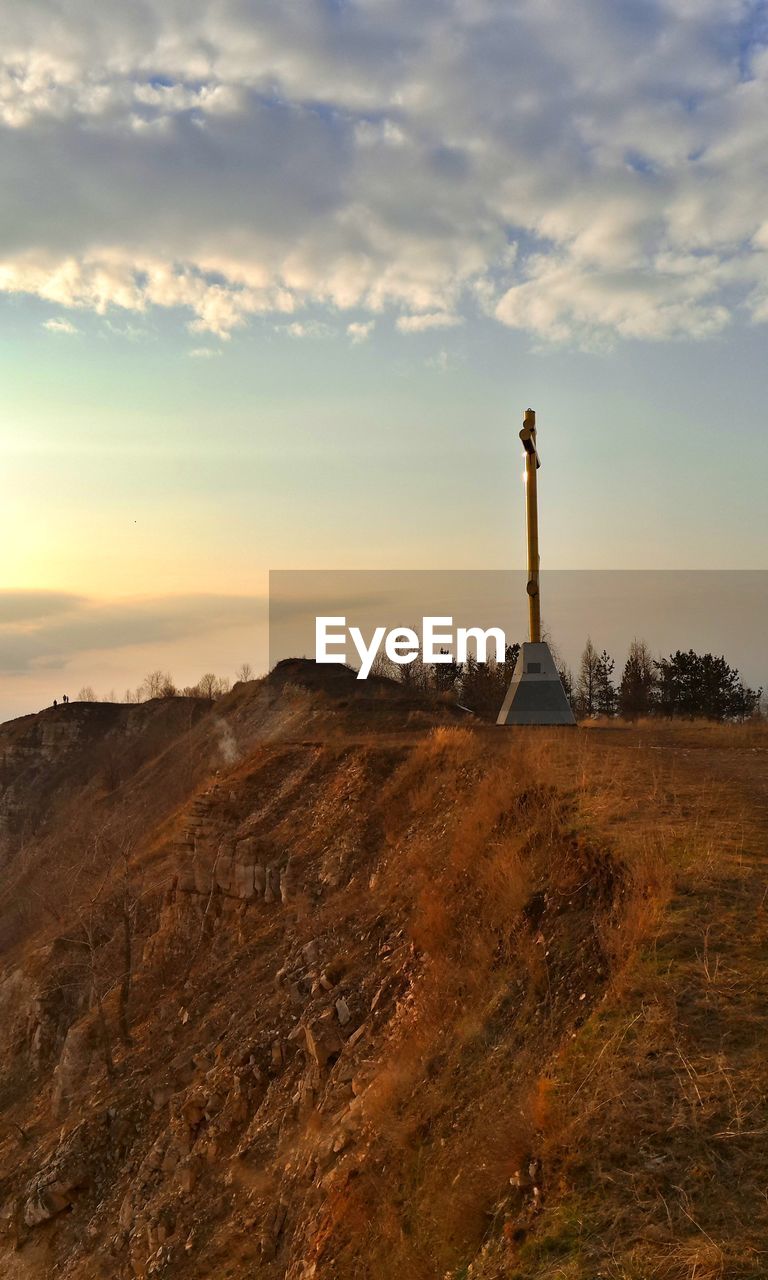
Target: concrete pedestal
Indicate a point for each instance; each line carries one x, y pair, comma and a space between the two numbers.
536, 694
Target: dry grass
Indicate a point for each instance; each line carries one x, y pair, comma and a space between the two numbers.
573, 926
640, 1095
657, 1110
508, 898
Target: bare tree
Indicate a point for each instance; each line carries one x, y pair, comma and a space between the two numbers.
158, 684
208, 686
586, 685
87, 694
244, 672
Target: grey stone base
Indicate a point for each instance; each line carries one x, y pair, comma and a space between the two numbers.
536, 694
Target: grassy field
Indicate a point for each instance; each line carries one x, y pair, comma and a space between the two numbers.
654, 1118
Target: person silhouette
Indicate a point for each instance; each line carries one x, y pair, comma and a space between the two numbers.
55, 703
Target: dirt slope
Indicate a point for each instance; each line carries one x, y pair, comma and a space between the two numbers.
323, 981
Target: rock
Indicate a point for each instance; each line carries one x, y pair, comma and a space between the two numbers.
356, 1035
322, 1041
54, 1189
242, 880
270, 1233
224, 866
342, 1011
161, 1096
193, 1111
287, 882
272, 885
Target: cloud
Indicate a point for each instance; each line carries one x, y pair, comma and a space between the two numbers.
307, 329
33, 606
581, 181
360, 330
430, 320
442, 362
49, 629
60, 326
204, 353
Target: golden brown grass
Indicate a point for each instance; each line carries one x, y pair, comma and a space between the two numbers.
640, 1094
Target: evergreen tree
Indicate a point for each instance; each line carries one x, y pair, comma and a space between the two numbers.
637, 688
566, 679
484, 684
605, 692
692, 684
446, 675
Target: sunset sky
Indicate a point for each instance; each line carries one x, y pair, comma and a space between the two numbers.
277, 281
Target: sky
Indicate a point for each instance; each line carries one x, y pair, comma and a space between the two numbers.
277, 281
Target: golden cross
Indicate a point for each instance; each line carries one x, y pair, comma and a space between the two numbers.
532, 464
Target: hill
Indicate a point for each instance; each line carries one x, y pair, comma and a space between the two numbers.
322, 980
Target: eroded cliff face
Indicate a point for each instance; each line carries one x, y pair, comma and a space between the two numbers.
276, 998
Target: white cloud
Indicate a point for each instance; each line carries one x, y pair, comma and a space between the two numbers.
360, 330
307, 329
201, 156
429, 320
60, 326
442, 362
204, 353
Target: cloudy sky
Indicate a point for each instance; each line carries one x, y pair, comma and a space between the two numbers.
277, 280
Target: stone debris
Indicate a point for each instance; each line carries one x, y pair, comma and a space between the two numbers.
343, 1011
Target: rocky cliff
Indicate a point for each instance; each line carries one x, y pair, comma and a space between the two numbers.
284, 981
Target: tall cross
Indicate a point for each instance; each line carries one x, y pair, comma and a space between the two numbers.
532, 464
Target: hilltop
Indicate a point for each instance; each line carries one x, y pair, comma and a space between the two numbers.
326, 980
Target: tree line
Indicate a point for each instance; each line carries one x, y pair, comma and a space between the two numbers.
685, 684
161, 684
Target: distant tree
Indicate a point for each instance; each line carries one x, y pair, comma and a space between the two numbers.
208, 685
566, 679
511, 655
86, 694
414, 676
637, 688
384, 666
692, 684
482, 685
157, 684
446, 675
586, 683
211, 686
605, 692
244, 672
